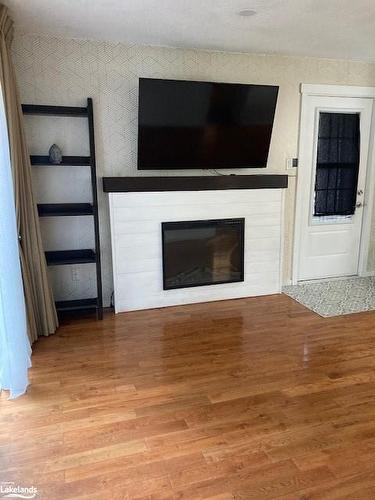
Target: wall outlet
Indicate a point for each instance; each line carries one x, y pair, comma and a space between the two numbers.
291, 163
75, 274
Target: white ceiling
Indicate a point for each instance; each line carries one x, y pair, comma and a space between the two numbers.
323, 28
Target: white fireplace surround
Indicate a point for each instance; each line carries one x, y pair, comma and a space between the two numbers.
136, 219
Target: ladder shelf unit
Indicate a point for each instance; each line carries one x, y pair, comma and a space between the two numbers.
81, 256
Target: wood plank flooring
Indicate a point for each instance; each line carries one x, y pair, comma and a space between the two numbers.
250, 399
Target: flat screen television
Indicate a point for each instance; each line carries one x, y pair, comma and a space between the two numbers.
204, 125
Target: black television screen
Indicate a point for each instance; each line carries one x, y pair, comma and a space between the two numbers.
184, 124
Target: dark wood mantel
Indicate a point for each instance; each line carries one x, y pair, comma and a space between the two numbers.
194, 183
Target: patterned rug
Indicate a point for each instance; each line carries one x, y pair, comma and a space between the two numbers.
336, 297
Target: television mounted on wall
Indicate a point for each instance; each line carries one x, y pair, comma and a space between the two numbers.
204, 125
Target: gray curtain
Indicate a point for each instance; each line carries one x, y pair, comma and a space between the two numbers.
40, 307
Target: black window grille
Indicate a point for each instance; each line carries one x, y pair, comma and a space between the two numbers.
337, 164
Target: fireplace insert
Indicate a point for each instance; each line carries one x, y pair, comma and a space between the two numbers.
202, 252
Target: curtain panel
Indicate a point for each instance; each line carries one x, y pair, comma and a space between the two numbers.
40, 307
15, 348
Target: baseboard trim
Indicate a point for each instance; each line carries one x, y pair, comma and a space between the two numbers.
367, 274
287, 283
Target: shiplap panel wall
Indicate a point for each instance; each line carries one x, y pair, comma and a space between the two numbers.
137, 248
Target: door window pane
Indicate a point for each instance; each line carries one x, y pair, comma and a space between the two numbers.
337, 164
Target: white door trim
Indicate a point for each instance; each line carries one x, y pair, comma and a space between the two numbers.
336, 91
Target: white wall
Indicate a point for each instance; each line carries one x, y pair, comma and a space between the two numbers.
62, 71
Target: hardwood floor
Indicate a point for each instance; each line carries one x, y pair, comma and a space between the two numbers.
251, 399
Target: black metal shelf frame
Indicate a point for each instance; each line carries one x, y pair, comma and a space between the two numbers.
80, 256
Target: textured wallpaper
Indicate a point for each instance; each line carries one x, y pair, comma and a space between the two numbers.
64, 72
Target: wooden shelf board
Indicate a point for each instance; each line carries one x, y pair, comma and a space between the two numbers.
64, 209
64, 257
76, 305
69, 161
36, 109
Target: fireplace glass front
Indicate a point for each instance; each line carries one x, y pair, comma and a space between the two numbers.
202, 252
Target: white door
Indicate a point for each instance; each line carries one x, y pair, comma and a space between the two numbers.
334, 144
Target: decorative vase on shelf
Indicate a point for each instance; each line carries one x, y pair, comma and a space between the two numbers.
55, 154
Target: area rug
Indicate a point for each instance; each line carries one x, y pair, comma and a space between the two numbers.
335, 297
